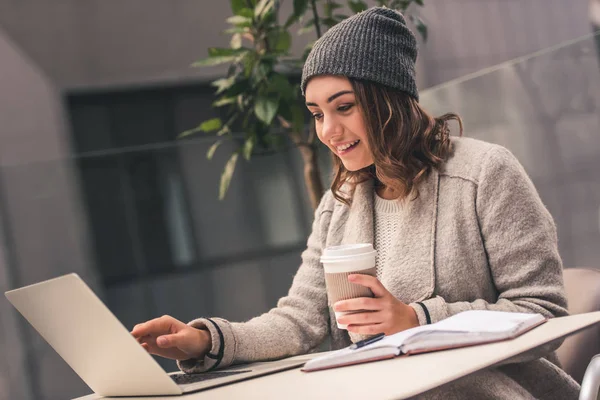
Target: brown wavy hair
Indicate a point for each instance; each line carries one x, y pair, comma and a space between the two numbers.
406, 142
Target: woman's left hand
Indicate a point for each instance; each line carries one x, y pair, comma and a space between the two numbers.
384, 313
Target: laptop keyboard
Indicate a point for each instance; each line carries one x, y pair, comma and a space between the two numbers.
186, 379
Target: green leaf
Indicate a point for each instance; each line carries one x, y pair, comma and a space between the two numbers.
306, 29
357, 5
227, 175
298, 118
206, 126
213, 61
273, 140
237, 6
421, 28
300, 7
284, 41
236, 41
211, 125
329, 7
248, 147
223, 84
211, 151
238, 87
280, 85
235, 29
247, 12
220, 52
263, 7
224, 101
260, 72
248, 63
224, 130
402, 5
328, 22
309, 26
239, 21
265, 108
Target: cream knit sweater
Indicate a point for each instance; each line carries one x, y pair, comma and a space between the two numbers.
477, 237
388, 215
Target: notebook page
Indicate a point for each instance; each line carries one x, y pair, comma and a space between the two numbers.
397, 339
473, 321
483, 321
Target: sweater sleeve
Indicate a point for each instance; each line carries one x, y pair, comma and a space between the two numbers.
521, 243
298, 324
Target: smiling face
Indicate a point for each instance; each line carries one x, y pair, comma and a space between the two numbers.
339, 120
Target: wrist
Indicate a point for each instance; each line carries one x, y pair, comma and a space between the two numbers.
413, 317
205, 343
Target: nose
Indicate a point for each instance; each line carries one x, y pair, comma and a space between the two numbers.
330, 129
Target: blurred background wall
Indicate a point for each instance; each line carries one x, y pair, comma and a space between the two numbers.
92, 180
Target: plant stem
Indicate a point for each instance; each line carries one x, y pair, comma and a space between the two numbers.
316, 18
312, 175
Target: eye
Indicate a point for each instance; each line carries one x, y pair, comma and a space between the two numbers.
345, 107
317, 116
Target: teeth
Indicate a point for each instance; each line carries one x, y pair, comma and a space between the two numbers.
347, 145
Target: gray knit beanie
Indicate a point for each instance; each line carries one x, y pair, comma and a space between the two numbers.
375, 45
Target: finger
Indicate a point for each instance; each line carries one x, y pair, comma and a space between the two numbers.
183, 342
136, 331
361, 318
142, 339
157, 326
366, 329
149, 344
146, 339
359, 303
369, 281
179, 340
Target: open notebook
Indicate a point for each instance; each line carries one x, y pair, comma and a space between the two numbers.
463, 329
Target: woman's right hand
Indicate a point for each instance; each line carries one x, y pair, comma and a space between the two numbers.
170, 338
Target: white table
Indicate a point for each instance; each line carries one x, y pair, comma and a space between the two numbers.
380, 380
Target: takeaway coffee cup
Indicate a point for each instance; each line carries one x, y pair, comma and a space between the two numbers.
341, 261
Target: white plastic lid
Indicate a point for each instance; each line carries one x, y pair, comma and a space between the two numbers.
346, 252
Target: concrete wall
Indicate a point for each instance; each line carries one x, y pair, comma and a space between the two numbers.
43, 226
468, 35
97, 44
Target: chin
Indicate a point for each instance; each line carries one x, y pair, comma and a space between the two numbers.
353, 167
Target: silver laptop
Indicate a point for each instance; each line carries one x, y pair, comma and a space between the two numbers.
101, 350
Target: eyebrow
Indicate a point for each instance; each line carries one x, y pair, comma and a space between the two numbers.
332, 97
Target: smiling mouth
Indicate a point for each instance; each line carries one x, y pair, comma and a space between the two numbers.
347, 147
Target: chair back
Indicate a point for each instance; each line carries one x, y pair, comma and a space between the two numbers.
582, 287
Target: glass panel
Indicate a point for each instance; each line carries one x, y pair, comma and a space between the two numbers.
545, 108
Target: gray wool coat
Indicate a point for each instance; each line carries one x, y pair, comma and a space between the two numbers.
477, 237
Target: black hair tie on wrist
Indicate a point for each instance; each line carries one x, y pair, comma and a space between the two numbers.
426, 311
219, 356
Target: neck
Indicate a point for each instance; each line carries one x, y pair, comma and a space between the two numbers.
387, 193
384, 191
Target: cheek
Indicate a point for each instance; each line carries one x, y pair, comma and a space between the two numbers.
319, 132
360, 128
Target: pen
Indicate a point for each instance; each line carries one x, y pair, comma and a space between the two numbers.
365, 342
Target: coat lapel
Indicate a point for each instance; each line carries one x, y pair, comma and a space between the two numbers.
359, 226
411, 277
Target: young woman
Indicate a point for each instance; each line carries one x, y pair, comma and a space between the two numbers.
456, 222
